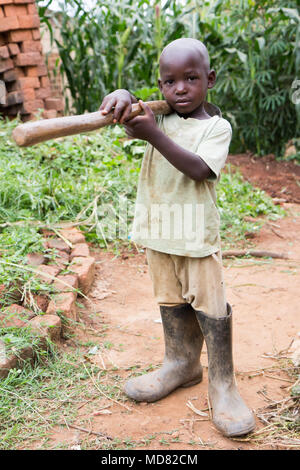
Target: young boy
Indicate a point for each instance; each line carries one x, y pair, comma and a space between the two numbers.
177, 221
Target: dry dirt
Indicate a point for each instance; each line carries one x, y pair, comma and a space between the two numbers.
264, 295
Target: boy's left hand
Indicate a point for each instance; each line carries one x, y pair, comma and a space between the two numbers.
141, 127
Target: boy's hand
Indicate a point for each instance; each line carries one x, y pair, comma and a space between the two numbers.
141, 127
121, 101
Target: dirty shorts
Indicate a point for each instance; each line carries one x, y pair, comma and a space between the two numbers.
197, 281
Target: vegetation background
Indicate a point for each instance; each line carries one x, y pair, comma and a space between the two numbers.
254, 47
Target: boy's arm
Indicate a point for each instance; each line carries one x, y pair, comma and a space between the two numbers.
145, 128
121, 100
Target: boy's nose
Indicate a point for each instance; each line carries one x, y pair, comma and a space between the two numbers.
180, 87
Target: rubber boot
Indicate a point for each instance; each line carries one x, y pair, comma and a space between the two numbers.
181, 365
231, 416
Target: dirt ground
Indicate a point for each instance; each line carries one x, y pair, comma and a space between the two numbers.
264, 295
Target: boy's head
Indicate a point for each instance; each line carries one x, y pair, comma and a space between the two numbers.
185, 76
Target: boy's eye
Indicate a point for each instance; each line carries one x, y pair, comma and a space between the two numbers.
169, 81
192, 78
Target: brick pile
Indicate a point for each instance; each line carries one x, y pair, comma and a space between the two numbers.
22, 66
57, 312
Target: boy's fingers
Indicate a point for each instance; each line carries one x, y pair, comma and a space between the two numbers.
126, 113
145, 107
119, 109
106, 107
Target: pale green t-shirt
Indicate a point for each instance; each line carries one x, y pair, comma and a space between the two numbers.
173, 213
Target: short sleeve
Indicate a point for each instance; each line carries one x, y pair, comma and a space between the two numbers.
213, 149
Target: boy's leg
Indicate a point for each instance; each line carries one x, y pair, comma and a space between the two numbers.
230, 414
182, 335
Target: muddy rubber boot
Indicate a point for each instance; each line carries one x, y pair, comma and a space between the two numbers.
231, 416
181, 365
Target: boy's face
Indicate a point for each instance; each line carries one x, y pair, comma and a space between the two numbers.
184, 80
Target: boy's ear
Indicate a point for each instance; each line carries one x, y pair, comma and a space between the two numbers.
211, 79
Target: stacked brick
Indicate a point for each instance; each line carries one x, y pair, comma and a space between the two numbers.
56, 312
22, 66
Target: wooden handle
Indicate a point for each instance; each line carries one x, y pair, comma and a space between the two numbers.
34, 132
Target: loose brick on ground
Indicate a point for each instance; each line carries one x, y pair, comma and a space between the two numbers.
63, 304
36, 259
47, 326
47, 273
58, 244
66, 282
85, 268
49, 114
80, 249
73, 235
14, 361
15, 315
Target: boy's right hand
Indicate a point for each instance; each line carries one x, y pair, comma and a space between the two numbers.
121, 100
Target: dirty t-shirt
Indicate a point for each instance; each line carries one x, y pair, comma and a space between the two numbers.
175, 214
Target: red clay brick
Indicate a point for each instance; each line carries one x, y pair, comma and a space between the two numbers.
4, 53
47, 273
58, 244
73, 235
31, 8
20, 35
85, 268
13, 49
32, 106
14, 97
15, 315
42, 93
24, 1
64, 304
36, 34
6, 2
29, 21
31, 46
35, 259
29, 94
45, 82
47, 326
54, 103
9, 23
49, 114
66, 283
28, 58
81, 249
1, 12
29, 82
42, 70
12, 75
6, 64
15, 10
